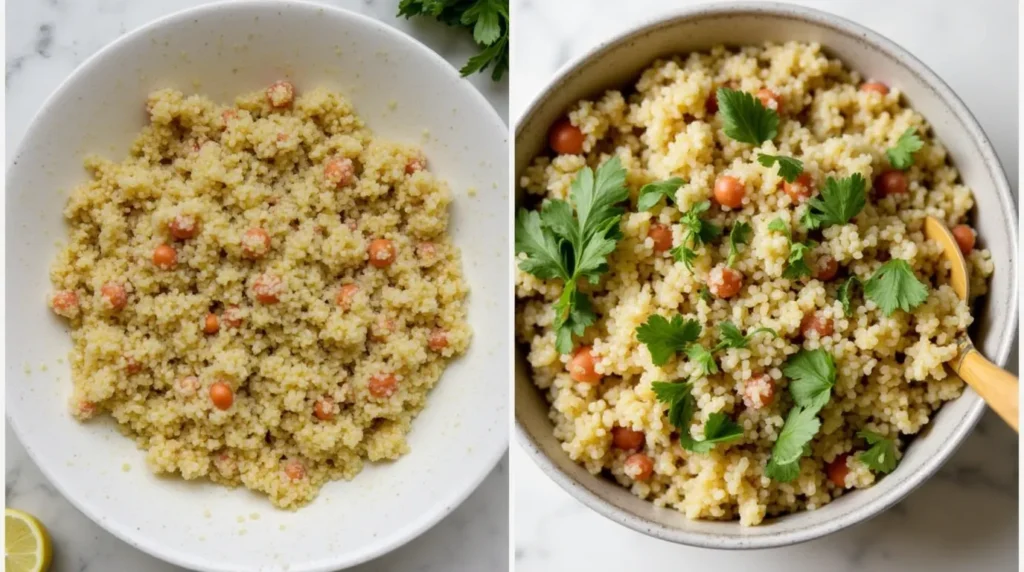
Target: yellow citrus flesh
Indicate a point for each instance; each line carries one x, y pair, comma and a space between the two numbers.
26, 543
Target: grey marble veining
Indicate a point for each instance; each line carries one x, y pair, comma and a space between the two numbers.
46, 40
966, 517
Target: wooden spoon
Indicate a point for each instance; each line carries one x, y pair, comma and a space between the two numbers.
997, 387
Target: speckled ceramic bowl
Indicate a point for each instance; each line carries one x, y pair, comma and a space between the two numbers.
618, 61
401, 89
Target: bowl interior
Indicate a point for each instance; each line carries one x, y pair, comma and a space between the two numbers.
404, 92
618, 63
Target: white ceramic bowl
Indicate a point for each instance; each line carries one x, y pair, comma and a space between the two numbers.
229, 49
619, 61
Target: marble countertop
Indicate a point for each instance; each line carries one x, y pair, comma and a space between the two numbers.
46, 41
965, 518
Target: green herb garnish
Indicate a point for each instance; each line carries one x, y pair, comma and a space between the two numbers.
745, 118
704, 359
696, 232
789, 168
730, 336
893, 286
561, 245
801, 426
881, 456
664, 338
488, 19
902, 155
798, 266
840, 200
718, 428
812, 375
846, 291
740, 234
651, 193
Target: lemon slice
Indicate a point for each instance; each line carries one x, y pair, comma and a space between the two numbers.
26, 543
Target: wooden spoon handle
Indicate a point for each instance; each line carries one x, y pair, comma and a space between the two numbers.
997, 387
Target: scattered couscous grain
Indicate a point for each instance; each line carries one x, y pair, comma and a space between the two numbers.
225, 297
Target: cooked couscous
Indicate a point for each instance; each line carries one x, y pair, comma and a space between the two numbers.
767, 327
262, 293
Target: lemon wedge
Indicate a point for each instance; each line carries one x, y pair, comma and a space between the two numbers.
26, 543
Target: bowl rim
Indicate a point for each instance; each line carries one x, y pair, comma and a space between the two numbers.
968, 123
443, 505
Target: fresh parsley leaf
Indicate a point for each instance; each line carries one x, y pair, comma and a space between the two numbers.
559, 243
573, 314
667, 392
651, 193
664, 338
744, 118
740, 234
731, 337
705, 294
797, 264
696, 232
812, 374
902, 155
789, 168
718, 428
488, 20
845, 292
703, 358
893, 286
779, 225
544, 257
683, 254
881, 456
840, 200
801, 426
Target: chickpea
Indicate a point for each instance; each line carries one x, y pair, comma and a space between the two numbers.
891, 182
280, 94
438, 339
759, 391
382, 252
801, 189
210, 324
729, 191
345, 295
115, 296
812, 322
255, 243
165, 257
661, 235
267, 288
565, 138
383, 386
770, 99
627, 439
639, 467
581, 366
339, 171
837, 470
724, 282
965, 238
876, 87
183, 227
221, 395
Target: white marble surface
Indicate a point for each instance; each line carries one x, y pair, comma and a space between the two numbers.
966, 518
46, 41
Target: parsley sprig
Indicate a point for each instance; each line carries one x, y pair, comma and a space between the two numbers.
488, 19
812, 374
796, 263
745, 118
731, 337
901, 156
880, 457
717, 429
651, 193
696, 232
789, 168
664, 337
893, 286
845, 293
739, 234
840, 200
558, 244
